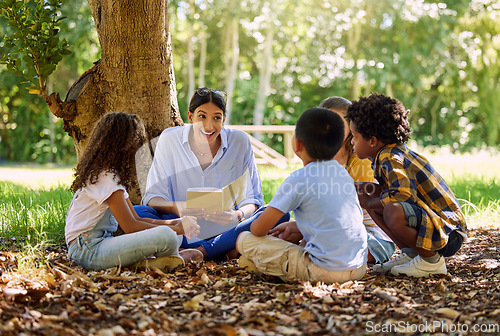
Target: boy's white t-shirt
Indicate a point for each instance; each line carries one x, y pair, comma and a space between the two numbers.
326, 207
89, 205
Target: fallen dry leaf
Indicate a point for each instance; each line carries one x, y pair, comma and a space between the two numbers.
219, 298
448, 312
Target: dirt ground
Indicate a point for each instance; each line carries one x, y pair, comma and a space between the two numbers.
211, 298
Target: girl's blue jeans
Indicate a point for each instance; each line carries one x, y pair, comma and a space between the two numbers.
97, 249
214, 247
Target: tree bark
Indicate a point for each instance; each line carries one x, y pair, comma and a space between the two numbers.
134, 75
353, 45
203, 58
190, 66
233, 68
265, 73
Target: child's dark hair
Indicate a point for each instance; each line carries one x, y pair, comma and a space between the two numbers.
380, 116
321, 131
205, 95
336, 104
111, 148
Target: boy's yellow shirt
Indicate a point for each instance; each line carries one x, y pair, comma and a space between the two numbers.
359, 169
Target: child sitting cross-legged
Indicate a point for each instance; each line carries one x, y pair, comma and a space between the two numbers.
101, 204
326, 208
411, 202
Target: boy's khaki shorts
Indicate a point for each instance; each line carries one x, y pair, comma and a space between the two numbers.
288, 261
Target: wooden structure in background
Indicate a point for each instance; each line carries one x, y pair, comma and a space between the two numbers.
265, 154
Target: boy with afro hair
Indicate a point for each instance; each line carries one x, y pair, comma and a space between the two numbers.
411, 202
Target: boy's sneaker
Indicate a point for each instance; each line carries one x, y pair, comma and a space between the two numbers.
383, 268
418, 267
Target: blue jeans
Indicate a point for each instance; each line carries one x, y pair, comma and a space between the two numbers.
216, 246
381, 250
97, 249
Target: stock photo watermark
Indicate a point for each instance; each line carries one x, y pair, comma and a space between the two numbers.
313, 187
432, 327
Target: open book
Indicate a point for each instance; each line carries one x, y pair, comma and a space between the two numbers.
216, 199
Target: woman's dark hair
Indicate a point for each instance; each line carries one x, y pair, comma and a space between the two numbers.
112, 146
380, 116
335, 103
321, 131
205, 95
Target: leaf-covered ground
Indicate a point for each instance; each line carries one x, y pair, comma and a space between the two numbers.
221, 299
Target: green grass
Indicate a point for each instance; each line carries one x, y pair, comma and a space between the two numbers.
34, 200
272, 177
479, 198
32, 217
472, 177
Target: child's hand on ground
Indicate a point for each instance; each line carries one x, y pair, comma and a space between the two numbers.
190, 227
287, 231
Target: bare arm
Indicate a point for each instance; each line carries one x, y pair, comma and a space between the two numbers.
369, 188
130, 222
370, 203
266, 221
177, 208
247, 210
287, 231
163, 206
369, 196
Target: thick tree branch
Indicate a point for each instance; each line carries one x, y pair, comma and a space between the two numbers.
63, 110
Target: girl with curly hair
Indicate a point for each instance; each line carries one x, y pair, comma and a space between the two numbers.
101, 204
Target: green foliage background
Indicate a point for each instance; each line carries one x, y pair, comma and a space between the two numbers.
33, 210
28, 131
440, 58
34, 48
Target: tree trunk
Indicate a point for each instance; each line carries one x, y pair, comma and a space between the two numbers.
353, 45
134, 75
190, 66
203, 58
434, 111
233, 68
52, 136
264, 80
489, 88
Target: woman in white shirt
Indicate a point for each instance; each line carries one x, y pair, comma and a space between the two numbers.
203, 154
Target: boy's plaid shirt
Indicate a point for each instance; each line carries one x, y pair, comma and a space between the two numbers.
406, 176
